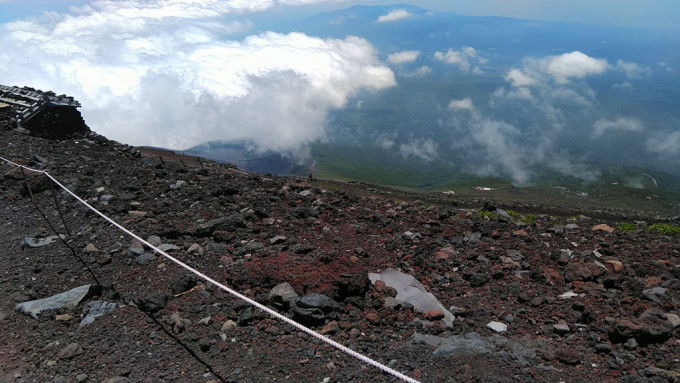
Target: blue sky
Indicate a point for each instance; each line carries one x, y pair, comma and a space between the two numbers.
638, 13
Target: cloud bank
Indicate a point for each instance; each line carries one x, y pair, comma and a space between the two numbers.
162, 73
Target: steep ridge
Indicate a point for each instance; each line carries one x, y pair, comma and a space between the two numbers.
535, 297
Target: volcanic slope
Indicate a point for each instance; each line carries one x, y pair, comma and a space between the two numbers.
536, 298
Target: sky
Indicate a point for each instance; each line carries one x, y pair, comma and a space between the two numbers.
177, 73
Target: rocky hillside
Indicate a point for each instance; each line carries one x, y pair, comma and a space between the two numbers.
434, 290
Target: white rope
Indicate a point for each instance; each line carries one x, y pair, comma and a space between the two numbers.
275, 314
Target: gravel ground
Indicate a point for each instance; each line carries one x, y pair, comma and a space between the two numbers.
581, 300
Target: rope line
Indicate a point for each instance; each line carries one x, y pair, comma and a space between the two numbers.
260, 306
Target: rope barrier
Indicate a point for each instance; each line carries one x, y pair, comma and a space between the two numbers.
260, 306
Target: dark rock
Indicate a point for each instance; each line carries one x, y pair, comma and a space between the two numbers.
314, 308
305, 212
479, 279
183, 283
145, 258
568, 356
154, 302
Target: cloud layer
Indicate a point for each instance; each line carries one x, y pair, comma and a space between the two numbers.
162, 73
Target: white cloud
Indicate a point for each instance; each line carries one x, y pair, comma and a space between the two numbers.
394, 15
518, 78
574, 65
162, 73
423, 149
423, 70
462, 104
562, 68
403, 57
633, 70
502, 153
385, 142
622, 124
463, 58
665, 143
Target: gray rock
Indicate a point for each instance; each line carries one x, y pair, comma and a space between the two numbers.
154, 240
497, 326
81, 378
70, 351
469, 344
516, 255
71, 297
167, 247
411, 235
253, 246
655, 294
281, 295
136, 247
39, 242
561, 328
278, 239
503, 216
145, 258
97, 309
409, 290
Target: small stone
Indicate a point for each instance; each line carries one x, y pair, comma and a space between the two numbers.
330, 328
154, 240
631, 344
81, 378
145, 258
479, 279
497, 326
228, 326
205, 321
64, 317
167, 247
90, 248
282, 294
603, 348
372, 316
561, 328
278, 239
70, 351
568, 295
568, 356
433, 315
195, 248
137, 214
615, 266
603, 227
